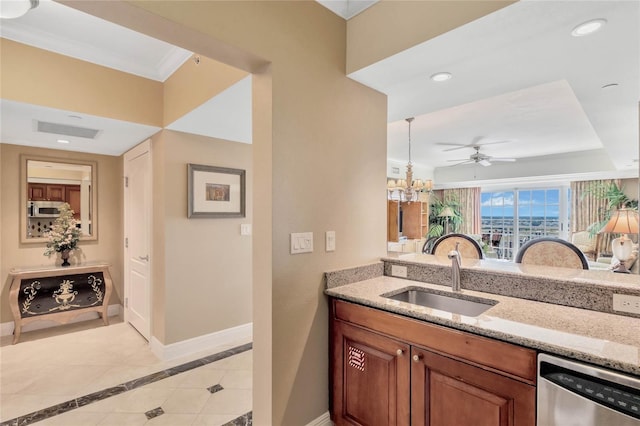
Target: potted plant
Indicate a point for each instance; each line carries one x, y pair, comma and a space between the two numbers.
444, 215
616, 199
64, 234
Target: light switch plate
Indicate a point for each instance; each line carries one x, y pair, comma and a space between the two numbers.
245, 229
301, 242
330, 240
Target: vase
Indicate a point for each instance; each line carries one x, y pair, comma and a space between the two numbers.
64, 254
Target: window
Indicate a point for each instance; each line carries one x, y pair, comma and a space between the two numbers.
511, 218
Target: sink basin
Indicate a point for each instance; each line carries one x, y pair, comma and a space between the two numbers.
456, 304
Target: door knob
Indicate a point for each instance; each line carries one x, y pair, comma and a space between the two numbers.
417, 358
145, 258
399, 352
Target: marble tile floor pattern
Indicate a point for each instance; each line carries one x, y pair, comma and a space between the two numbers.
86, 374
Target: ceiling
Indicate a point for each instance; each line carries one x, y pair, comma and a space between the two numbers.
519, 78
67, 31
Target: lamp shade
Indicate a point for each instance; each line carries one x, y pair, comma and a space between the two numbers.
446, 212
623, 221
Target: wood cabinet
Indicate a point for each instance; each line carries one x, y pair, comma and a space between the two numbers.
56, 192
408, 219
47, 192
58, 294
371, 381
37, 192
389, 369
72, 196
448, 392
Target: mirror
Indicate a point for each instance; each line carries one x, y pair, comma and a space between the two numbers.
528, 107
46, 183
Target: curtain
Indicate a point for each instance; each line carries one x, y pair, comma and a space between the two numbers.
469, 201
589, 206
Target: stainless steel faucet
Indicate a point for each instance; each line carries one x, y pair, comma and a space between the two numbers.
456, 259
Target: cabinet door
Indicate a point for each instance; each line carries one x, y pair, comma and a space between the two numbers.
370, 378
412, 220
55, 192
393, 217
447, 392
72, 196
37, 192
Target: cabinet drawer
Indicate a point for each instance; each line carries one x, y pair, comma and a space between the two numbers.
505, 357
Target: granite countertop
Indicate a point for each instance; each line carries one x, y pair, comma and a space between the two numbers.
600, 338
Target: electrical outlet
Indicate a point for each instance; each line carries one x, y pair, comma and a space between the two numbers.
398, 271
626, 303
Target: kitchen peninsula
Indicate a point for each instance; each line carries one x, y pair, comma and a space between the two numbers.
408, 351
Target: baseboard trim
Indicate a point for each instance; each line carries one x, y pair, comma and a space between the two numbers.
202, 343
323, 420
6, 328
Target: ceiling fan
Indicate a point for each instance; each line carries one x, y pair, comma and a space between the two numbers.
474, 143
480, 158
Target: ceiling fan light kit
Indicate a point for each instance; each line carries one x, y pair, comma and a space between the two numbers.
11, 9
480, 158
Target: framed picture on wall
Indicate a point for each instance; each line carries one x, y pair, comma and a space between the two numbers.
215, 192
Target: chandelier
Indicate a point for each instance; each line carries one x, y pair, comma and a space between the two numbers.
408, 189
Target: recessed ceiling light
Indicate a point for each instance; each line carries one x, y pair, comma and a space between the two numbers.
441, 76
63, 141
588, 27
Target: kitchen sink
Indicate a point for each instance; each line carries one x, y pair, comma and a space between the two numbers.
454, 303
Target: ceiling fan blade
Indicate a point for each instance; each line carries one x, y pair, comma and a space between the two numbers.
484, 162
463, 162
503, 159
457, 146
491, 143
460, 159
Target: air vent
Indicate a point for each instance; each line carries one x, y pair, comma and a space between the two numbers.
67, 130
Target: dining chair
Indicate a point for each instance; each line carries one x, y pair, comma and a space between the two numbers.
468, 247
551, 251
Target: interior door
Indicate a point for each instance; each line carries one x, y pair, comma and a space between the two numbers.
137, 238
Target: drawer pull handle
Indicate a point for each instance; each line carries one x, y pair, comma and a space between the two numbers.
417, 358
145, 258
399, 352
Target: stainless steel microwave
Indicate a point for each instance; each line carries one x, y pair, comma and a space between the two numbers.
44, 208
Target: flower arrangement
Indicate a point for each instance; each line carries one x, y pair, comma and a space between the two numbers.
64, 233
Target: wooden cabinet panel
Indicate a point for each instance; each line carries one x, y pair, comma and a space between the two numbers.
412, 220
55, 192
370, 378
447, 392
393, 221
37, 192
455, 379
511, 359
72, 196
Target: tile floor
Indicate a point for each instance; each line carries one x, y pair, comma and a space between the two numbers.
113, 378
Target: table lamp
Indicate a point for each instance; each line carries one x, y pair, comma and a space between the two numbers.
623, 221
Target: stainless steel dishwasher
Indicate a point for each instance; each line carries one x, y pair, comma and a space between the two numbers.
576, 394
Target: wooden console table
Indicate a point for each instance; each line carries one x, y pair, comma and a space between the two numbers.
58, 294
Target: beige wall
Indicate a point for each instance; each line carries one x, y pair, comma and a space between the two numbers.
40, 77
107, 248
389, 27
195, 83
328, 149
205, 268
